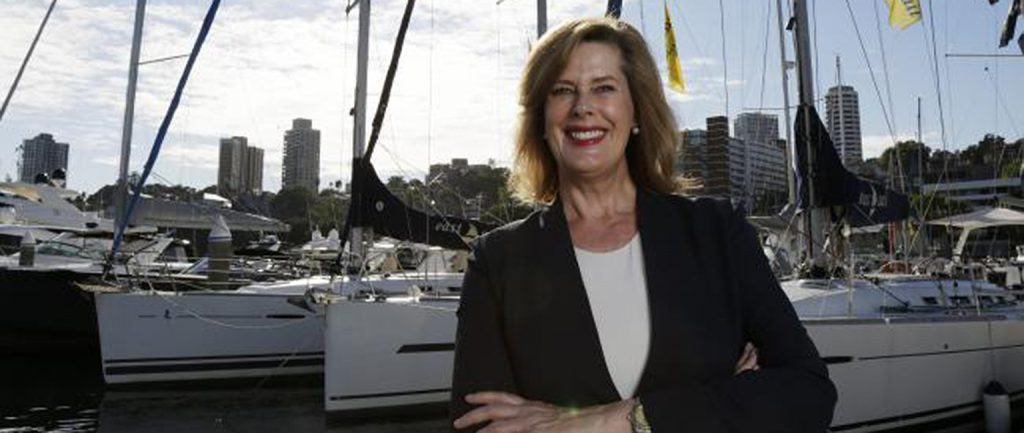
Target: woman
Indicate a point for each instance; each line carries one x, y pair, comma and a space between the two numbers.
622, 307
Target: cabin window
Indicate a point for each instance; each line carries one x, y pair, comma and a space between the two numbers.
960, 300
930, 300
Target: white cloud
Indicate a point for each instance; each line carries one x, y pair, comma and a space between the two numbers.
269, 61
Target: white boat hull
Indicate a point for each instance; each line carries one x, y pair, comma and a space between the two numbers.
901, 372
893, 372
389, 356
167, 337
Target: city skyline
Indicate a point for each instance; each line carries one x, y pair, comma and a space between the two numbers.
266, 63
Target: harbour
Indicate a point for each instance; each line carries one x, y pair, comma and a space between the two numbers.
886, 292
65, 393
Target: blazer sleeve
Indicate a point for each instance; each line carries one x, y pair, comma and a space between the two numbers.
790, 393
481, 358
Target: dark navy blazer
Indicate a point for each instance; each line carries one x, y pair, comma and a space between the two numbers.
525, 324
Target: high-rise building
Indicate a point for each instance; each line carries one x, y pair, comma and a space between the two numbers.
301, 165
718, 182
692, 158
756, 127
41, 155
240, 168
254, 172
842, 113
743, 170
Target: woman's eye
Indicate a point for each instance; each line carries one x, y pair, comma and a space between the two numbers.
605, 88
562, 91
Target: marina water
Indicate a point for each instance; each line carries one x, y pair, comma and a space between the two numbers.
65, 393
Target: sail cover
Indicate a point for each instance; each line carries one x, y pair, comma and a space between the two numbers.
860, 202
374, 206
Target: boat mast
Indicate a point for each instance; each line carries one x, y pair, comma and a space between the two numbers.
129, 114
921, 235
814, 218
356, 247
542, 17
785, 102
790, 157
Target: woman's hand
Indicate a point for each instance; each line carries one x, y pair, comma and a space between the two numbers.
509, 413
748, 361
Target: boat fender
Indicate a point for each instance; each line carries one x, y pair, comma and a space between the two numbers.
997, 408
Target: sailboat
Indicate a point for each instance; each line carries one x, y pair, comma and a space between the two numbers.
905, 351
272, 329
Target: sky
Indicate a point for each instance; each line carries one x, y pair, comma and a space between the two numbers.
266, 62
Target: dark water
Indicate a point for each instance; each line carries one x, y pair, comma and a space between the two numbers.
65, 393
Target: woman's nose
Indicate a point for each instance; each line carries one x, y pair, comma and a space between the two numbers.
582, 107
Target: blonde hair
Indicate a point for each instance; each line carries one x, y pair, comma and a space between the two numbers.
650, 154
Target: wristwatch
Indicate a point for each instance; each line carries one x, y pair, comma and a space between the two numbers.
637, 419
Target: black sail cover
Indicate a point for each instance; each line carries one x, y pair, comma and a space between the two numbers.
860, 202
373, 205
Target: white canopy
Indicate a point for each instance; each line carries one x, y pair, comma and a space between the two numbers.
982, 218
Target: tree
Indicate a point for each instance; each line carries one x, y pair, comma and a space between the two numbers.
292, 206
906, 158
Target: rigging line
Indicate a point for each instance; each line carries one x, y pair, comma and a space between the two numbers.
1001, 102
165, 124
389, 80
24, 63
430, 86
696, 45
885, 64
878, 94
949, 88
764, 55
404, 167
643, 24
936, 79
725, 61
497, 82
871, 71
743, 55
814, 35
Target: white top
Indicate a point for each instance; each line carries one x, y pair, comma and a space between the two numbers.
617, 291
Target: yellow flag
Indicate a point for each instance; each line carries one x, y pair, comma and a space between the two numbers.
904, 13
675, 73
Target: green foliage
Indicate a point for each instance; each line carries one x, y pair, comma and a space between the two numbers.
907, 152
304, 211
479, 192
932, 207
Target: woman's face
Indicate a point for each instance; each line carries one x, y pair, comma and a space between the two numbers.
589, 112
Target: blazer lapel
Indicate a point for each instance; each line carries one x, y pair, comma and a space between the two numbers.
672, 279
581, 346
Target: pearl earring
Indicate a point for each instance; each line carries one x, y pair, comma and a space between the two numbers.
635, 130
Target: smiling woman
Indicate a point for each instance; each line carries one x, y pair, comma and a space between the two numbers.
622, 306
627, 76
